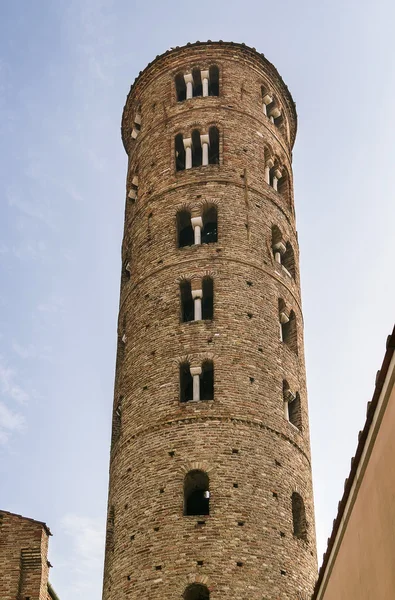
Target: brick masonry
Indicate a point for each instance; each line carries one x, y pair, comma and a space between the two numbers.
157, 440
24, 566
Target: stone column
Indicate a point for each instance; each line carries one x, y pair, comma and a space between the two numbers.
189, 83
196, 372
204, 140
197, 296
266, 100
276, 176
283, 319
275, 113
279, 249
269, 164
197, 224
205, 79
188, 152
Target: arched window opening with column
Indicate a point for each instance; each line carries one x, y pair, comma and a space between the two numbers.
210, 224
196, 493
185, 235
292, 408
299, 517
196, 591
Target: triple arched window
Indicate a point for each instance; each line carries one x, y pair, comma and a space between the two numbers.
197, 82
198, 149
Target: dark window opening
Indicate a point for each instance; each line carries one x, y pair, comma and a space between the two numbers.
210, 224
288, 260
294, 412
208, 298
180, 152
213, 151
184, 229
181, 88
197, 82
197, 155
186, 383
299, 517
213, 88
196, 493
187, 304
196, 591
116, 422
207, 381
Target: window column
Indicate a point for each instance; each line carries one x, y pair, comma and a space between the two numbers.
205, 79
269, 165
197, 295
189, 83
276, 176
197, 224
188, 152
196, 372
204, 140
279, 249
274, 113
266, 100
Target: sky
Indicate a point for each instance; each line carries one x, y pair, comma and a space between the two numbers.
65, 70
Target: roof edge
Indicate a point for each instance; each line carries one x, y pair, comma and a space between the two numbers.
44, 525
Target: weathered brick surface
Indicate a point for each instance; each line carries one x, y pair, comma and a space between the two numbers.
146, 526
23, 558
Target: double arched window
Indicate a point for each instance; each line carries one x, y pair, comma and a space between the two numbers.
197, 150
197, 82
197, 383
197, 299
197, 230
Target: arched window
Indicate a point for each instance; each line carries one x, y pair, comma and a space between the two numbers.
180, 152
187, 308
196, 591
288, 260
213, 81
207, 381
278, 245
125, 272
289, 334
181, 88
210, 226
185, 233
208, 298
186, 383
196, 149
196, 493
197, 82
213, 153
299, 517
292, 407
283, 186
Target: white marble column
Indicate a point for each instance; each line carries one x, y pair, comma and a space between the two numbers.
188, 152
205, 79
276, 176
189, 83
197, 224
204, 140
274, 113
197, 296
266, 100
269, 164
196, 372
283, 320
279, 249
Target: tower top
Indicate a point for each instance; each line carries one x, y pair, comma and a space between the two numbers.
167, 60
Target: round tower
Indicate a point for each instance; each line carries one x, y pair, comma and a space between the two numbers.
210, 491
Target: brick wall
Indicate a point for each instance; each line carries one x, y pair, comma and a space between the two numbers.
23, 558
254, 457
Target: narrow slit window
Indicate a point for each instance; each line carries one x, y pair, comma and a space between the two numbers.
196, 493
299, 517
181, 88
180, 152
213, 152
207, 381
210, 224
187, 305
208, 298
186, 383
213, 80
185, 233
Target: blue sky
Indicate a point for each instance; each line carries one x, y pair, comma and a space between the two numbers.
65, 70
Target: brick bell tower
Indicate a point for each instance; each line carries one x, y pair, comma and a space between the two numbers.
210, 492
